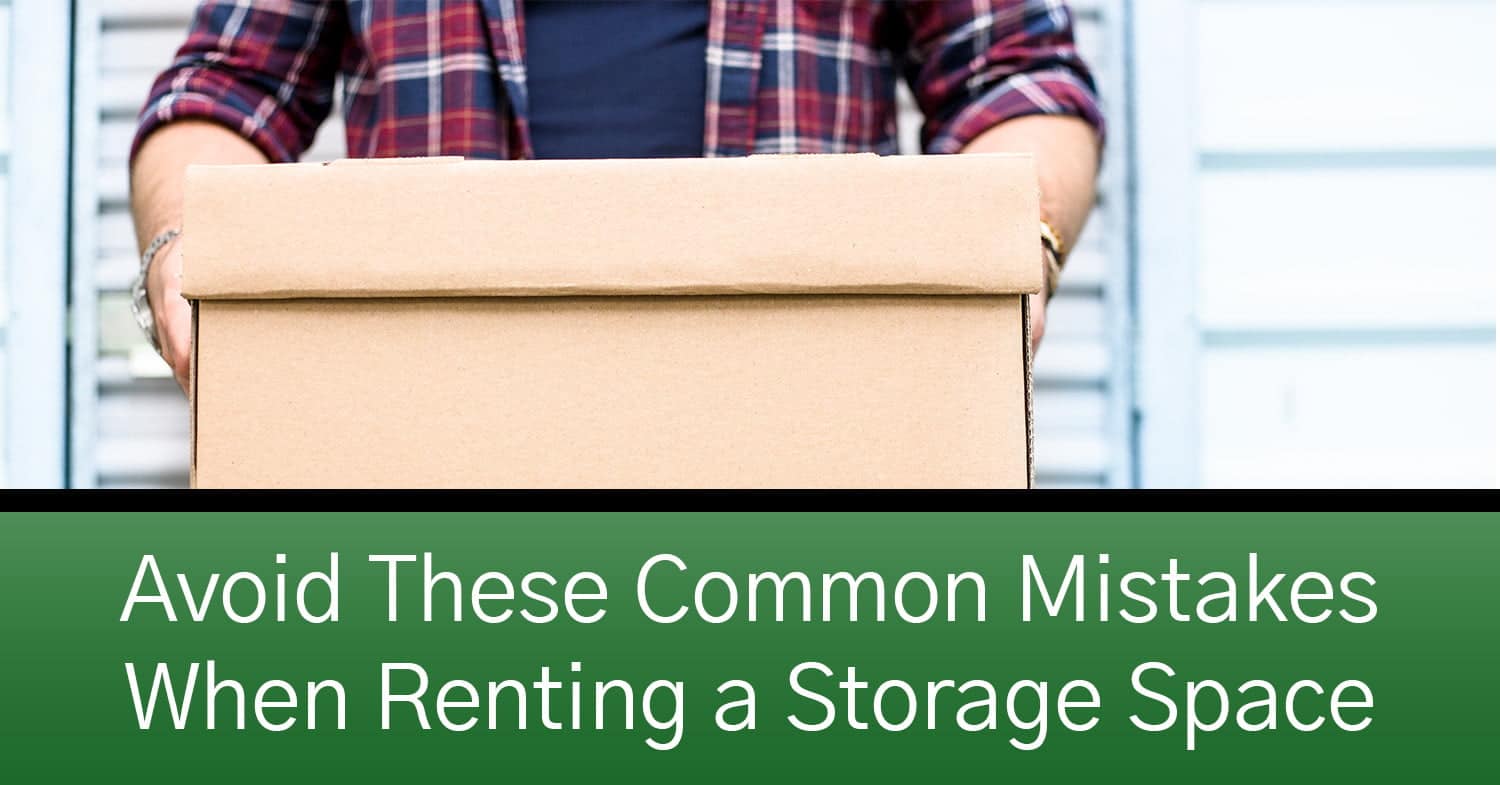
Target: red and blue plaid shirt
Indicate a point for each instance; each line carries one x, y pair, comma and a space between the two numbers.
448, 77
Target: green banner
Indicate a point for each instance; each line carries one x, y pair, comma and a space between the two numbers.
404, 647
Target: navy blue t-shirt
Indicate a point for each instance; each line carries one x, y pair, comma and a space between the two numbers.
616, 78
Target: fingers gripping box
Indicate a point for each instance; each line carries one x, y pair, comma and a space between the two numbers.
777, 321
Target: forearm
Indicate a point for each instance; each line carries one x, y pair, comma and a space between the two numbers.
1066, 150
156, 174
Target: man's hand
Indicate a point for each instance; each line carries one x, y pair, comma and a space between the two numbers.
156, 177
172, 314
1066, 151
1036, 304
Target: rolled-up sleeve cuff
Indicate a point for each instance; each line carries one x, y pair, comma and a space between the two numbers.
199, 95
1057, 91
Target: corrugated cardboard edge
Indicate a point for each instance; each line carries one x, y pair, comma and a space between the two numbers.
193, 403
1026, 359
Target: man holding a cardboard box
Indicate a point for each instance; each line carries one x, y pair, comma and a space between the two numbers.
819, 320
256, 79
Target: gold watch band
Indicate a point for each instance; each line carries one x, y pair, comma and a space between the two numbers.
1053, 252
1054, 241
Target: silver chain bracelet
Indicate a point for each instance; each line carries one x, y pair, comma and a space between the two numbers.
140, 301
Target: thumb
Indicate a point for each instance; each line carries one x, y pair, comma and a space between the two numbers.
1037, 306
179, 340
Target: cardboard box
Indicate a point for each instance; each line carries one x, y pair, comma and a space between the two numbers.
772, 321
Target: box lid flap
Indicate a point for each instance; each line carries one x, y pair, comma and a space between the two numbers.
759, 225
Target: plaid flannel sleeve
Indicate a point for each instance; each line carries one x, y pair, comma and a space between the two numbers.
265, 70
973, 65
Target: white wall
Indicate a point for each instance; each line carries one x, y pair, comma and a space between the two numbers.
34, 37
1323, 311
5, 71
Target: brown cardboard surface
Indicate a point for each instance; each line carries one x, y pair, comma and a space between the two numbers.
779, 321
764, 224
747, 391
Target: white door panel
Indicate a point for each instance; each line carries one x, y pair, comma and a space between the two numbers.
1328, 416
1363, 248
1317, 196
1332, 75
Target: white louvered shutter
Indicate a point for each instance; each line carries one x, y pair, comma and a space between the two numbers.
5, 110
130, 424
1083, 398
129, 421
